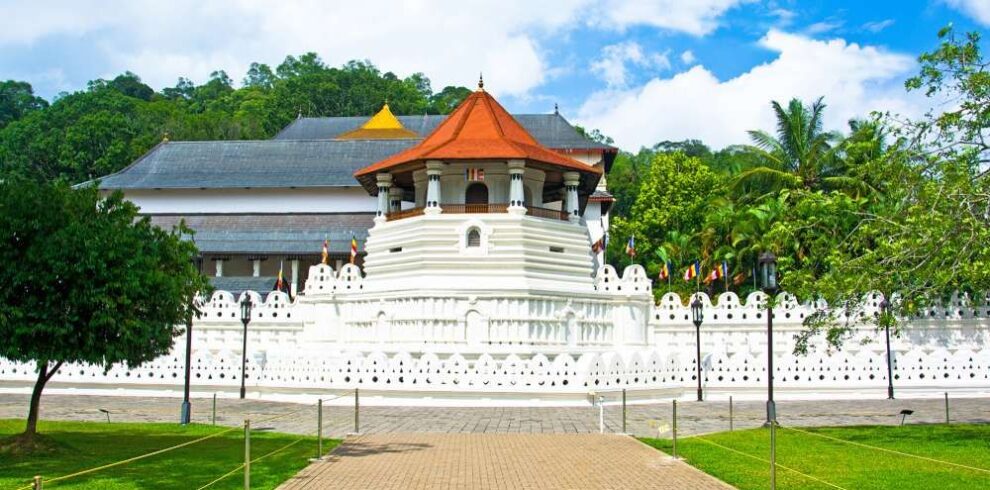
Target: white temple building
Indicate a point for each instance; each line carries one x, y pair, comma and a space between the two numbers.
478, 281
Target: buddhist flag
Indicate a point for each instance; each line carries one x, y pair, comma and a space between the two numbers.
692, 271
279, 283
713, 276
353, 249
665, 271
474, 174
723, 270
599, 245
631, 247
325, 253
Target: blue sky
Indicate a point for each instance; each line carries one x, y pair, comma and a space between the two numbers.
641, 71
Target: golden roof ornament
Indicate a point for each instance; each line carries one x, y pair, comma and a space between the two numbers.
383, 125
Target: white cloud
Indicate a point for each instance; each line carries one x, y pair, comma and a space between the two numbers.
449, 40
878, 26
612, 67
696, 17
854, 79
979, 10
822, 27
687, 57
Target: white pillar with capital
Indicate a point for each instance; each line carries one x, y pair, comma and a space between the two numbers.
257, 267
219, 264
517, 199
295, 277
434, 168
395, 199
571, 180
384, 184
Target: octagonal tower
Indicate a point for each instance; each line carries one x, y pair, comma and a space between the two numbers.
479, 205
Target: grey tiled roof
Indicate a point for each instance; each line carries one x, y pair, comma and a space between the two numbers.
237, 164
551, 130
239, 284
291, 234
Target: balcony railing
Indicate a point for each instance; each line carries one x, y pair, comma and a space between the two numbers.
479, 209
405, 213
475, 208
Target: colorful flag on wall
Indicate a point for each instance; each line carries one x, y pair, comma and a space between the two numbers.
353, 249
474, 174
631, 247
599, 245
279, 283
692, 271
325, 253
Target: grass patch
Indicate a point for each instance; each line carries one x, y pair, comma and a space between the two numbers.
82, 445
842, 464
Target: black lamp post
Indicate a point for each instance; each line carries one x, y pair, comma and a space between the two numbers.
186, 414
698, 316
768, 274
884, 318
245, 319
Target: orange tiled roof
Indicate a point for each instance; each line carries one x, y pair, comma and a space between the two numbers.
479, 129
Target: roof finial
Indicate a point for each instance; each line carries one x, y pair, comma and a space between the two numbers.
299, 114
165, 137
481, 82
556, 108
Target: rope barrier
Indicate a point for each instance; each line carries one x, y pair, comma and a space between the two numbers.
165, 450
131, 460
819, 480
255, 460
894, 451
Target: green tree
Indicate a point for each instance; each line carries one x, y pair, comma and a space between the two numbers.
673, 196
87, 281
444, 101
16, 100
799, 156
259, 75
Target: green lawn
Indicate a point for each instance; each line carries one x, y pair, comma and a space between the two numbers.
842, 464
86, 445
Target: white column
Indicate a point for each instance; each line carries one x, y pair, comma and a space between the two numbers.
395, 199
571, 180
257, 267
219, 264
433, 170
517, 203
384, 183
295, 277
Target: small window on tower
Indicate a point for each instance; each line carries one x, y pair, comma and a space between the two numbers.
474, 238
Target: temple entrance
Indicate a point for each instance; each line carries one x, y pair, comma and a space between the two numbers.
476, 193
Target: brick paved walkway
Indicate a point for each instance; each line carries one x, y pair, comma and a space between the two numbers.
480, 461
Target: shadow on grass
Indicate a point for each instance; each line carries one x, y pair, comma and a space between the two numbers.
87, 445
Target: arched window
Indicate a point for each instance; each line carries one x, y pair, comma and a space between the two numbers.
474, 238
476, 193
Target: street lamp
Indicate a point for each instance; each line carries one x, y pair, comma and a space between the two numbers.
885, 320
245, 319
768, 274
186, 414
698, 315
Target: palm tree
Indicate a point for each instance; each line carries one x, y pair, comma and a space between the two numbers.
800, 156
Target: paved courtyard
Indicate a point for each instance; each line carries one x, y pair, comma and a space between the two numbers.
693, 417
550, 461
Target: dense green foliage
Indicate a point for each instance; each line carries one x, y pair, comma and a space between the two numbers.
84, 445
87, 281
100, 130
844, 465
897, 206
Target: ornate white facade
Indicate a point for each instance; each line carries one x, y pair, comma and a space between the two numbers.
481, 349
